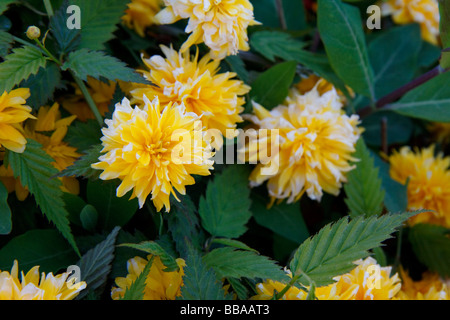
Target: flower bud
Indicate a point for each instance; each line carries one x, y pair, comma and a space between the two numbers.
33, 32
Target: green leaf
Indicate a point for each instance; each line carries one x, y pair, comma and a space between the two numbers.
19, 65
89, 217
272, 87
156, 250
84, 135
199, 281
430, 101
112, 211
44, 248
394, 56
340, 27
364, 190
5, 211
97, 64
67, 39
95, 265
334, 249
283, 219
42, 85
228, 262
136, 290
237, 65
224, 211
82, 166
6, 41
431, 245
273, 44
233, 243
4, 5
99, 20
36, 172
444, 26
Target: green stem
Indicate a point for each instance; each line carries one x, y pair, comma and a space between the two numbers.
280, 294
399, 249
88, 98
48, 7
17, 39
48, 53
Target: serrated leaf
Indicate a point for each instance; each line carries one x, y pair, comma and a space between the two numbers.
99, 20
82, 166
272, 86
233, 243
6, 41
431, 244
229, 262
95, 265
430, 101
84, 135
224, 211
19, 65
97, 64
5, 211
199, 281
136, 290
42, 85
156, 250
36, 172
364, 192
333, 250
341, 31
45, 248
67, 39
273, 44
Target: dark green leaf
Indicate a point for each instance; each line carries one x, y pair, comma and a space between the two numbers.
67, 39
89, 217
156, 250
5, 211
6, 41
82, 166
84, 135
273, 44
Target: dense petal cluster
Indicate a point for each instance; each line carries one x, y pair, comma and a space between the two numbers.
216, 97
367, 281
101, 92
140, 14
428, 185
13, 112
316, 141
220, 24
153, 151
430, 287
33, 287
424, 12
159, 285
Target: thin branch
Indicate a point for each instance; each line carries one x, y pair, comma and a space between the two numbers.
384, 135
281, 15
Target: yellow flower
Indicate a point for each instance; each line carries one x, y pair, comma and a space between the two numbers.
49, 287
367, 281
49, 121
143, 149
13, 112
424, 12
220, 24
429, 183
11, 183
216, 97
159, 285
323, 86
102, 94
316, 141
430, 287
141, 14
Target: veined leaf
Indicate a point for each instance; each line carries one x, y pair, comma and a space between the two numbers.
233, 243
340, 27
6, 41
334, 249
273, 44
82, 166
156, 250
95, 265
224, 211
430, 101
34, 168
5, 211
364, 190
67, 39
97, 64
229, 262
136, 290
19, 65
431, 244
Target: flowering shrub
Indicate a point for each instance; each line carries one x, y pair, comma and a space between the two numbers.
224, 150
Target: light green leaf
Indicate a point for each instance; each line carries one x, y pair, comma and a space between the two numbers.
36, 172
224, 211
5, 211
364, 192
156, 250
340, 27
233, 243
136, 290
19, 65
334, 249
